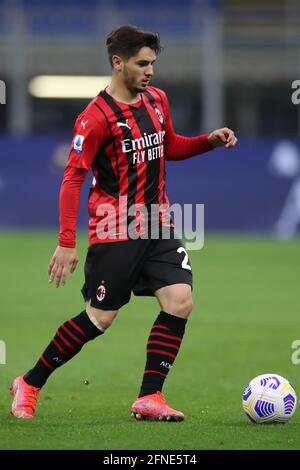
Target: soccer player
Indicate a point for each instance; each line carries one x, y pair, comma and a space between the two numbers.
124, 135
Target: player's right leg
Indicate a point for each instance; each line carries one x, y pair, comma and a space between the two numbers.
66, 343
106, 289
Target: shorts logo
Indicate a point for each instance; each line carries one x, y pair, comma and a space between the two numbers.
101, 292
78, 141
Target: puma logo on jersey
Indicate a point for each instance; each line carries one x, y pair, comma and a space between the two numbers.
84, 123
124, 124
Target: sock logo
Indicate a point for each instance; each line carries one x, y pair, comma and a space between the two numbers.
101, 292
166, 364
59, 361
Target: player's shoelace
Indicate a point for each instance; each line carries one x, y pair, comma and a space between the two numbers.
27, 397
30, 399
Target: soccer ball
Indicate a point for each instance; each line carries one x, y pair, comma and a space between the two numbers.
269, 398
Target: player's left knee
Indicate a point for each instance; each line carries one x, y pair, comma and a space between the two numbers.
183, 307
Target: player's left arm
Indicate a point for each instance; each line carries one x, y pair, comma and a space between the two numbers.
222, 138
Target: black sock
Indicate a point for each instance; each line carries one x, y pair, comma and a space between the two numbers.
162, 348
67, 342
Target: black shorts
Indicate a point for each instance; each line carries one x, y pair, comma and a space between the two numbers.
114, 270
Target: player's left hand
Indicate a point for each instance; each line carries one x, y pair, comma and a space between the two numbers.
222, 138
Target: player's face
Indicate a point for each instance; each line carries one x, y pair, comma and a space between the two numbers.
138, 70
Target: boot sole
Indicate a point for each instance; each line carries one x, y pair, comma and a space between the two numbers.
168, 418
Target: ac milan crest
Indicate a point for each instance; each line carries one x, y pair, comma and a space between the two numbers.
100, 294
160, 116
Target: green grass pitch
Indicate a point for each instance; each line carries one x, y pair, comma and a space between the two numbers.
245, 318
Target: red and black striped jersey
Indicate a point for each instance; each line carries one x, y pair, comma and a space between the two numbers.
126, 146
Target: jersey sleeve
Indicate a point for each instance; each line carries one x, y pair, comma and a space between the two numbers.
178, 147
89, 134
69, 200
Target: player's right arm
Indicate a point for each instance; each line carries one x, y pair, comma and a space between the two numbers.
62, 260
88, 138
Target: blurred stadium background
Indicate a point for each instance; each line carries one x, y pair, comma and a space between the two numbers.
229, 62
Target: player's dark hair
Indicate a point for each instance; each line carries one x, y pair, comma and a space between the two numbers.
127, 40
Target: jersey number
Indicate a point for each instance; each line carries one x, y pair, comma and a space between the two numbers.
184, 263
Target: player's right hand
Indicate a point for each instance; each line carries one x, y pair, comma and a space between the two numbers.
62, 260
